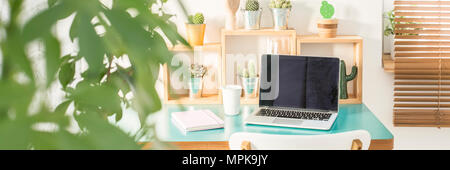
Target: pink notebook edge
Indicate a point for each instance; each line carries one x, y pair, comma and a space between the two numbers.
219, 123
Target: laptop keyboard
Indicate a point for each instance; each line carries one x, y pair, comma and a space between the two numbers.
295, 114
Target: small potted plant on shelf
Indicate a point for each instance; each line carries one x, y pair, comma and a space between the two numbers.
195, 29
249, 79
252, 14
280, 12
196, 81
327, 26
389, 31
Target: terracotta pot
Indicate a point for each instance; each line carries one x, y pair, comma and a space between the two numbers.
327, 28
195, 33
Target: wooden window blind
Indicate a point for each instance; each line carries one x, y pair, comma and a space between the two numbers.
422, 63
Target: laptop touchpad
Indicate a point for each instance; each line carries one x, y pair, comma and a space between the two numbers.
287, 121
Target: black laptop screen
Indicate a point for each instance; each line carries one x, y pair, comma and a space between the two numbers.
299, 82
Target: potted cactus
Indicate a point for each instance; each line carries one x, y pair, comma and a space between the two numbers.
327, 26
196, 81
280, 12
249, 80
195, 29
344, 79
252, 14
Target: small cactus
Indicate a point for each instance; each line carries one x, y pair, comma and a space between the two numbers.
249, 71
280, 4
327, 10
344, 79
252, 5
198, 18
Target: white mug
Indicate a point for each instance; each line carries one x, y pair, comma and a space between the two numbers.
231, 99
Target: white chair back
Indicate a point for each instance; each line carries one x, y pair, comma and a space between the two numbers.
338, 141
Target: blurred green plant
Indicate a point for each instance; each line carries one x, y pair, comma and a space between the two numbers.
390, 27
102, 87
390, 17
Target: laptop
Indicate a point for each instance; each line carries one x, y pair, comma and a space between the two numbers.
297, 91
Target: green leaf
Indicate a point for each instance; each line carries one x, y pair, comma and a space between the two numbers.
16, 96
121, 79
74, 28
91, 47
14, 53
96, 98
146, 99
135, 38
51, 2
42, 23
102, 135
52, 54
119, 116
58, 118
66, 73
62, 108
15, 135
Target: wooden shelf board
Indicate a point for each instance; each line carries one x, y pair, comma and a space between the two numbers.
204, 47
338, 39
388, 63
205, 99
262, 31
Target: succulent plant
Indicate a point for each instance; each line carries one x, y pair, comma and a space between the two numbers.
327, 10
198, 18
197, 70
280, 4
252, 5
250, 71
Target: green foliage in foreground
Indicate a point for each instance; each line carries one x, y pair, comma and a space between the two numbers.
96, 96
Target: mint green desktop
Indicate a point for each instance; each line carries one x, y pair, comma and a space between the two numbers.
351, 117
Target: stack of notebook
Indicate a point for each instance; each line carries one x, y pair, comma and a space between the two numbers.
195, 120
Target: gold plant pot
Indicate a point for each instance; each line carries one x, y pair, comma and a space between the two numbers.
195, 33
327, 28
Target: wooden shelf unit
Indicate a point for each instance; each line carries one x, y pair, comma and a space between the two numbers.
215, 98
357, 41
261, 32
204, 47
291, 33
295, 42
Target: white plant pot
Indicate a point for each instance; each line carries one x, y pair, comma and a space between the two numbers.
280, 18
392, 43
250, 86
252, 19
195, 87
